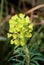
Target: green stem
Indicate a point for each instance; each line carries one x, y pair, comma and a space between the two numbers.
2, 1
27, 55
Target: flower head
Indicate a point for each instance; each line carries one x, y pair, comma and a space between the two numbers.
21, 28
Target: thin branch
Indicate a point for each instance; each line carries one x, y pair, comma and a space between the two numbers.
35, 8
28, 12
6, 19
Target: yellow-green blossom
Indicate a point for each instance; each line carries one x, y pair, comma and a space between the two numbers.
28, 35
21, 28
9, 35
14, 17
21, 15
22, 42
27, 19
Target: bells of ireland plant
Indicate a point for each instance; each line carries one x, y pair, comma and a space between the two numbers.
20, 28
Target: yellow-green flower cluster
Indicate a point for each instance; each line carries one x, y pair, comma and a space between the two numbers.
20, 29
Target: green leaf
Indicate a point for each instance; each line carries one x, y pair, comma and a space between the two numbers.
36, 63
32, 64
16, 64
39, 58
35, 54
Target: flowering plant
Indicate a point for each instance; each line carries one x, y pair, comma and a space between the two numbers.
20, 29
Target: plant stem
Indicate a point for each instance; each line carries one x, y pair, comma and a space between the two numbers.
2, 1
27, 55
